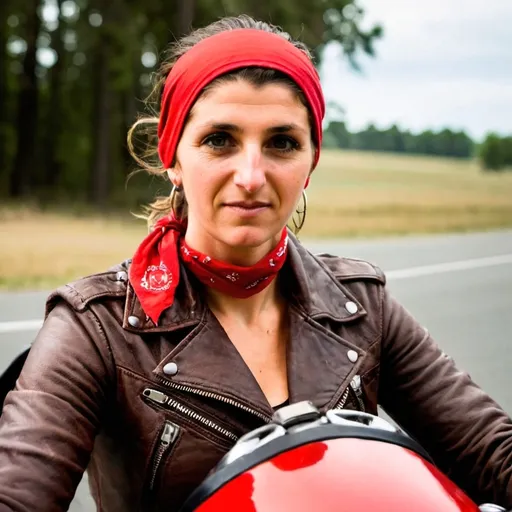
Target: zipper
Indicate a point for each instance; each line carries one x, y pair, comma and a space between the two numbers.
343, 400
167, 439
162, 399
208, 394
355, 384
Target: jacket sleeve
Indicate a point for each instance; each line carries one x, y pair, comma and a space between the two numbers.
50, 419
467, 434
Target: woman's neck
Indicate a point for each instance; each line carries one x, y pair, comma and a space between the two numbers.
241, 255
246, 311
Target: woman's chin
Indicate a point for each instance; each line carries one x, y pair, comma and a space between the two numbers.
251, 236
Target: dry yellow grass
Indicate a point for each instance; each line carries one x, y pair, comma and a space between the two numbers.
41, 250
365, 194
351, 194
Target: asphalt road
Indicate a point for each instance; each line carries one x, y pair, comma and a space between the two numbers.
458, 286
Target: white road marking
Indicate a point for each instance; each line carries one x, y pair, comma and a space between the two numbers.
404, 273
23, 325
453, 266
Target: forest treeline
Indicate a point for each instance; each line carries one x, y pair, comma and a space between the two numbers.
494, 152
74, 74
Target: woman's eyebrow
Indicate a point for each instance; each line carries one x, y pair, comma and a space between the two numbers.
229, 127
286, 128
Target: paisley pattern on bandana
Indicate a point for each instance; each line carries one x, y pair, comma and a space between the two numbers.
240, 282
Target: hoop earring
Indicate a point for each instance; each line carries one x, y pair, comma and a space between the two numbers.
300, 213
172, 198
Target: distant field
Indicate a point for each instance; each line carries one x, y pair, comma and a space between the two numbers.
351, 194
369, 194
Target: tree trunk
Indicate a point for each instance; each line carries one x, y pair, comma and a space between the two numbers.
53, 124
111, 57
259, 10
186, 14
26, 124
102, 116
4, 94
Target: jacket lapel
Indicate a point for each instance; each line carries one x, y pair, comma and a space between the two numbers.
319, 368
208, 362
320, 362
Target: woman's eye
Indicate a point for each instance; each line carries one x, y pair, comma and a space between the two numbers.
217, 141
284, 143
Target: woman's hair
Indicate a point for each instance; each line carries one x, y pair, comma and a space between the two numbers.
149, 160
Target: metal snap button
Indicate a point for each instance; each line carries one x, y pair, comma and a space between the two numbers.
134, 321
353, 356
122, 276
171, 369
351, 307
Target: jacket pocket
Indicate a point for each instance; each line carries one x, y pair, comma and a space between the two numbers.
210, 427
168, 437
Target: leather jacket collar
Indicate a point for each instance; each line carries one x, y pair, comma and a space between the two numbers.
209, 365
313, 289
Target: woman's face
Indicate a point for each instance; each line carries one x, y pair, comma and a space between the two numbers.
243, 160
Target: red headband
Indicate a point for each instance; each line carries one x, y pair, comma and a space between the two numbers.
220, 54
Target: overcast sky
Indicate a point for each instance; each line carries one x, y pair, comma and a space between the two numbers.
441, 63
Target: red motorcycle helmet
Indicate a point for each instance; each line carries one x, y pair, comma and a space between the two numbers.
343, 461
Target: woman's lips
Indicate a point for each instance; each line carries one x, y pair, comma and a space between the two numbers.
246, 208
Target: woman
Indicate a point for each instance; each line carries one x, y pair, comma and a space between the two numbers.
148, 373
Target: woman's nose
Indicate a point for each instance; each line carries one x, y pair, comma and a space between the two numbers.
250, 172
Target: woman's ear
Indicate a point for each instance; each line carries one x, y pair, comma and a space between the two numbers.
174, 176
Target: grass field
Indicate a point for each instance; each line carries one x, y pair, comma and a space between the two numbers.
351, 194
365, 194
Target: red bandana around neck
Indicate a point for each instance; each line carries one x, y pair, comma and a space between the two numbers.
155, 268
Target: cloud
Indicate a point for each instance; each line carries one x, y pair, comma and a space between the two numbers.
441, 63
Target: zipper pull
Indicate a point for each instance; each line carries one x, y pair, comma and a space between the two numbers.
169, 434
355, 384
156, 396
167, 438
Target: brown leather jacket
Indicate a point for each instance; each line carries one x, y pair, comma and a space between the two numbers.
151, 409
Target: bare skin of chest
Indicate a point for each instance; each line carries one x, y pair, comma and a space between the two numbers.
263, 348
